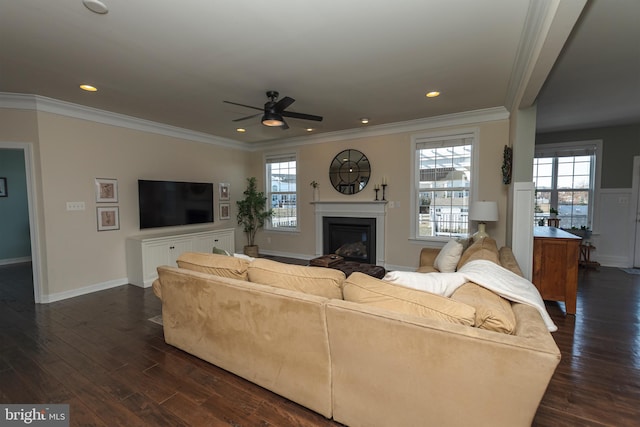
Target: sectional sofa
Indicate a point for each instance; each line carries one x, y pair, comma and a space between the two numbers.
361, 350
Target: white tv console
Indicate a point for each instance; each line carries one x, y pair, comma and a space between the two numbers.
146, 252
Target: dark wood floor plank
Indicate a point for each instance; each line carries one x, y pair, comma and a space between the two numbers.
101, 354
192, 413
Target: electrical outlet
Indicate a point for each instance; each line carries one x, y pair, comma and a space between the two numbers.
75, 206
391, 205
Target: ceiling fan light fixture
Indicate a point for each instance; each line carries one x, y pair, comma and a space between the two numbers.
272, 119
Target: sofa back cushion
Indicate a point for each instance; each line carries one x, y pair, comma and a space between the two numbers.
218, 265
368, 290
493, 312
485, 248
324, 282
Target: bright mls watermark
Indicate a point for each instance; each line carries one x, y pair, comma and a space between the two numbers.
34, 415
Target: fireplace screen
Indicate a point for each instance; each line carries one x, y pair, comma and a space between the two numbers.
351, 238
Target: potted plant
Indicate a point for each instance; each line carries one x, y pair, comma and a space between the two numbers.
553, 212
252, 214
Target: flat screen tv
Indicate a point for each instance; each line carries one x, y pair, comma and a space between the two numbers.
171, 203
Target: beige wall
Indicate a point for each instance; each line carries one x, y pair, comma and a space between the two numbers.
72, 153
389, 155
69, 153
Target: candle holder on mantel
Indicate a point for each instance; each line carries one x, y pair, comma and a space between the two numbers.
384, 189
376, 189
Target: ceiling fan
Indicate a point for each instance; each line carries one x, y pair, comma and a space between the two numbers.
273, 112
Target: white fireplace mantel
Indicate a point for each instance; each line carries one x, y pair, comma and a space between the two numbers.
356, 209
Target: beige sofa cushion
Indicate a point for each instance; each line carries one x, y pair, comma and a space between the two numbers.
219, 265
493, 312
324, 282
368, 290
482, 249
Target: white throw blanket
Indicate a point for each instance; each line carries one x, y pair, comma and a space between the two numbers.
482, 272
508, 285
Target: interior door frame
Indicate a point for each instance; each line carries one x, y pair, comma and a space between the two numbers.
634, 214
27, 149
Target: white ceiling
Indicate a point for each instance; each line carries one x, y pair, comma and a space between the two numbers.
174, 62
596, 80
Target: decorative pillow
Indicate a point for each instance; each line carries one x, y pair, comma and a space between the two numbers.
482, 249
368, 290
219, 265
493, 312
437, 283
324, 282
220, 251
448, 258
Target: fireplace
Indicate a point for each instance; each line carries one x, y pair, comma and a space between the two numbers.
352, 238
370, 210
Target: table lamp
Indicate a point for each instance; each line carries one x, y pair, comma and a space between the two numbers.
483, 212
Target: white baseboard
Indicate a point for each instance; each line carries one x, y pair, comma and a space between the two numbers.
614, 261
286, 254
392, 267
46, 299
8, 261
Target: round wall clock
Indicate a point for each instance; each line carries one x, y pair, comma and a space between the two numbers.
349, 171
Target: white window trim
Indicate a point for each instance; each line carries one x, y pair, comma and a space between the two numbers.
275, 155
416, 139
548, 150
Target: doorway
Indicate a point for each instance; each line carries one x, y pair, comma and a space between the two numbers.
635, 206
27, 151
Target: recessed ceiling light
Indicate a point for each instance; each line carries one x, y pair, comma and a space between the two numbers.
96, 6
364, 120
241, 130
432, 94
89, 88
309, 129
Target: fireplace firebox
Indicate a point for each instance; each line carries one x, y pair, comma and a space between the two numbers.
352, 238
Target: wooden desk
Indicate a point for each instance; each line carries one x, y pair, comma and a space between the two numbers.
555, 265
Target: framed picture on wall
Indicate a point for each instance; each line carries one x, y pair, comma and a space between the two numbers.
224, 191
3, 187
106, 190
108, 218
224, 210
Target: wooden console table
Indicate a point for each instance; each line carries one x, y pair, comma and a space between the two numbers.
555, 265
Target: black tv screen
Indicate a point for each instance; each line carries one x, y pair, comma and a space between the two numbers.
170, 203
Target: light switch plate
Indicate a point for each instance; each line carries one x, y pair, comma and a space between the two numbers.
75, 206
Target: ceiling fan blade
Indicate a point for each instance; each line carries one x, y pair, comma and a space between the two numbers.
301, 116
284, 126
283, 104
246, 118
243, 105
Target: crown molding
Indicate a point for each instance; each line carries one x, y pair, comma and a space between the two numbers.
455, 119
68, 109
49, 105
546, 29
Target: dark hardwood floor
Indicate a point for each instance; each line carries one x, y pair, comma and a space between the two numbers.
100, 354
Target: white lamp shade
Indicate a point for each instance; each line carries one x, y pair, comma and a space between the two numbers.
483, 211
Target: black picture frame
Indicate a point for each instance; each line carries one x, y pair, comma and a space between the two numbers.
3, 187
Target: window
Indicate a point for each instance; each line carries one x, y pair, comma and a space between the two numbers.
442, 186
564, 178
281, 192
